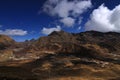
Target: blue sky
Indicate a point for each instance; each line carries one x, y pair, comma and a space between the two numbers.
27, 19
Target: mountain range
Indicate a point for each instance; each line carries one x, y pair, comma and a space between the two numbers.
61, 55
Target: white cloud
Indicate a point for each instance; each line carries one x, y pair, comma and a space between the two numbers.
81, 6
47, 31
13, 32
104, 19
60, 8
68, 21
65, 8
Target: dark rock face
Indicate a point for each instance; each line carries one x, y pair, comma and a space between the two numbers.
66, 56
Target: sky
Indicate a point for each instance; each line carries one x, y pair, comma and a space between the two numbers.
27, 19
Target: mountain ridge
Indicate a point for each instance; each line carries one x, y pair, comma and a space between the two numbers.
65, 56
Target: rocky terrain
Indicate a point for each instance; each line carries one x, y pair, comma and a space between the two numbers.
62, 56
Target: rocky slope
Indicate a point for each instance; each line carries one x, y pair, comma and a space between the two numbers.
5, 42
65, 56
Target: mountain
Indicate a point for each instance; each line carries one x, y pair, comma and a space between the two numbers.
6, 44
5, 41
88, 55
92, 44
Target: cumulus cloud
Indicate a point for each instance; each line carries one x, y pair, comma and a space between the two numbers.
68, 21
81, 6
13, 32
47, 31
104, 20
66, 8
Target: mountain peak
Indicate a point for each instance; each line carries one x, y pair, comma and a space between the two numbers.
58, 33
